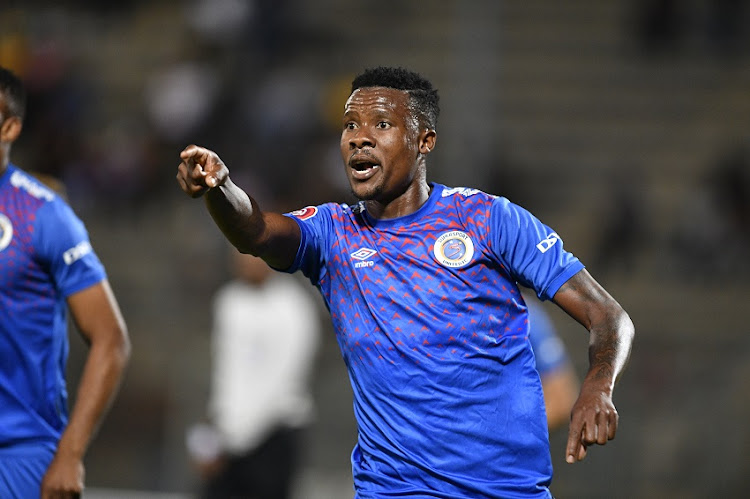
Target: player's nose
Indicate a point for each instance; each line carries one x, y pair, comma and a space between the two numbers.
361, 139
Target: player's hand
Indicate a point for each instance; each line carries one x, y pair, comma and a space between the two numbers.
64, 479
200, 170
593, 420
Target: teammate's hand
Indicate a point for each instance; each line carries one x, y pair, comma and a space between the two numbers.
200, 170
63, 479
593, 420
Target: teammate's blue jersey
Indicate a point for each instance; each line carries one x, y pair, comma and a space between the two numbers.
549, 350
434, 333
45, 256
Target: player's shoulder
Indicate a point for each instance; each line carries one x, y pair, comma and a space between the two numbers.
326, 210
26, 184
466, 198
464, 194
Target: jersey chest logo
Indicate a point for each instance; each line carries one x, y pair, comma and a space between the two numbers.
6, 231
453, 249
363, 255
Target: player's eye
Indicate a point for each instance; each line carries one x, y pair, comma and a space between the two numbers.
349, 125
384, 125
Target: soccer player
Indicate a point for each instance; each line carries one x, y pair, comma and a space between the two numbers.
422, 285
47, 267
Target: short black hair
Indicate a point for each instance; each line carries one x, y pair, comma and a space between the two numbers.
13, 90
423, 98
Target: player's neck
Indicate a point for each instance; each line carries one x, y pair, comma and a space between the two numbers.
415, 196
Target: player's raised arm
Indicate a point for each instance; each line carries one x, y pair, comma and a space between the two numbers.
594, 418
271, 236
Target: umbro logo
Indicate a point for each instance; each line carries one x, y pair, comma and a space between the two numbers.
363, 254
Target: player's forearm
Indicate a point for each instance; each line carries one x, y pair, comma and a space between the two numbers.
272, 236
611, 330
101, 378
238, 216
609, 348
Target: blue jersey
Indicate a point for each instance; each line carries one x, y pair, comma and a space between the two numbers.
45, 256
434, 333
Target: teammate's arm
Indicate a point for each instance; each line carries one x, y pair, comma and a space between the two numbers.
594, 418
271, 236
97, 316
560, 388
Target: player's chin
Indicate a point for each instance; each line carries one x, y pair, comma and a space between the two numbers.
365, 191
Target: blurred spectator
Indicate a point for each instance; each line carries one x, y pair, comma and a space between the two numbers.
622, 221
727, 25
60, 103
660, 24
265, 337
181, 97
260, 29
713, 235
668, 24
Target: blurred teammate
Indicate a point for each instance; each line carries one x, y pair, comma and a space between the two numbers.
421, 282
265, 336
47, 267
559, 380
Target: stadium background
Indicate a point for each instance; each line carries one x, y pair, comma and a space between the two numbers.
623, 124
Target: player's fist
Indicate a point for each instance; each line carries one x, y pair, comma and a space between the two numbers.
200, 170
594, 420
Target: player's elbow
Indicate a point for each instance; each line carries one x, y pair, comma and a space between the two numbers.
116, 346
121, 345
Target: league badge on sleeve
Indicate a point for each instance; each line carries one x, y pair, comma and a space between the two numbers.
305, 213
453, 249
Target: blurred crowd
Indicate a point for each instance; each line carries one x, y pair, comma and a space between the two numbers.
231, 85
236, 80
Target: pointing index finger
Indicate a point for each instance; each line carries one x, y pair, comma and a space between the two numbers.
575, 442
191, 153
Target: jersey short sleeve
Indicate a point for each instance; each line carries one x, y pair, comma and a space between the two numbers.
63, 245
317, 231
531, 251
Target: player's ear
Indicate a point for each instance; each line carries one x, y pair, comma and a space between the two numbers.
10, 129
427, 141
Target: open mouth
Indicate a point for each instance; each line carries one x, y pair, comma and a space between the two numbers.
363, 169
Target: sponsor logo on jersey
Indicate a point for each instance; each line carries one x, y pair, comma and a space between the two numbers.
453, 249
37, 190
464, 191
6, 231
77, 252
362, 255
546, 244
305, 213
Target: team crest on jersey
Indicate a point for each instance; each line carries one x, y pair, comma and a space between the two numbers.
305, 213
453, 249
6, 231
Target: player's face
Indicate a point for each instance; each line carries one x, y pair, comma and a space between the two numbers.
10, 128
379, 143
